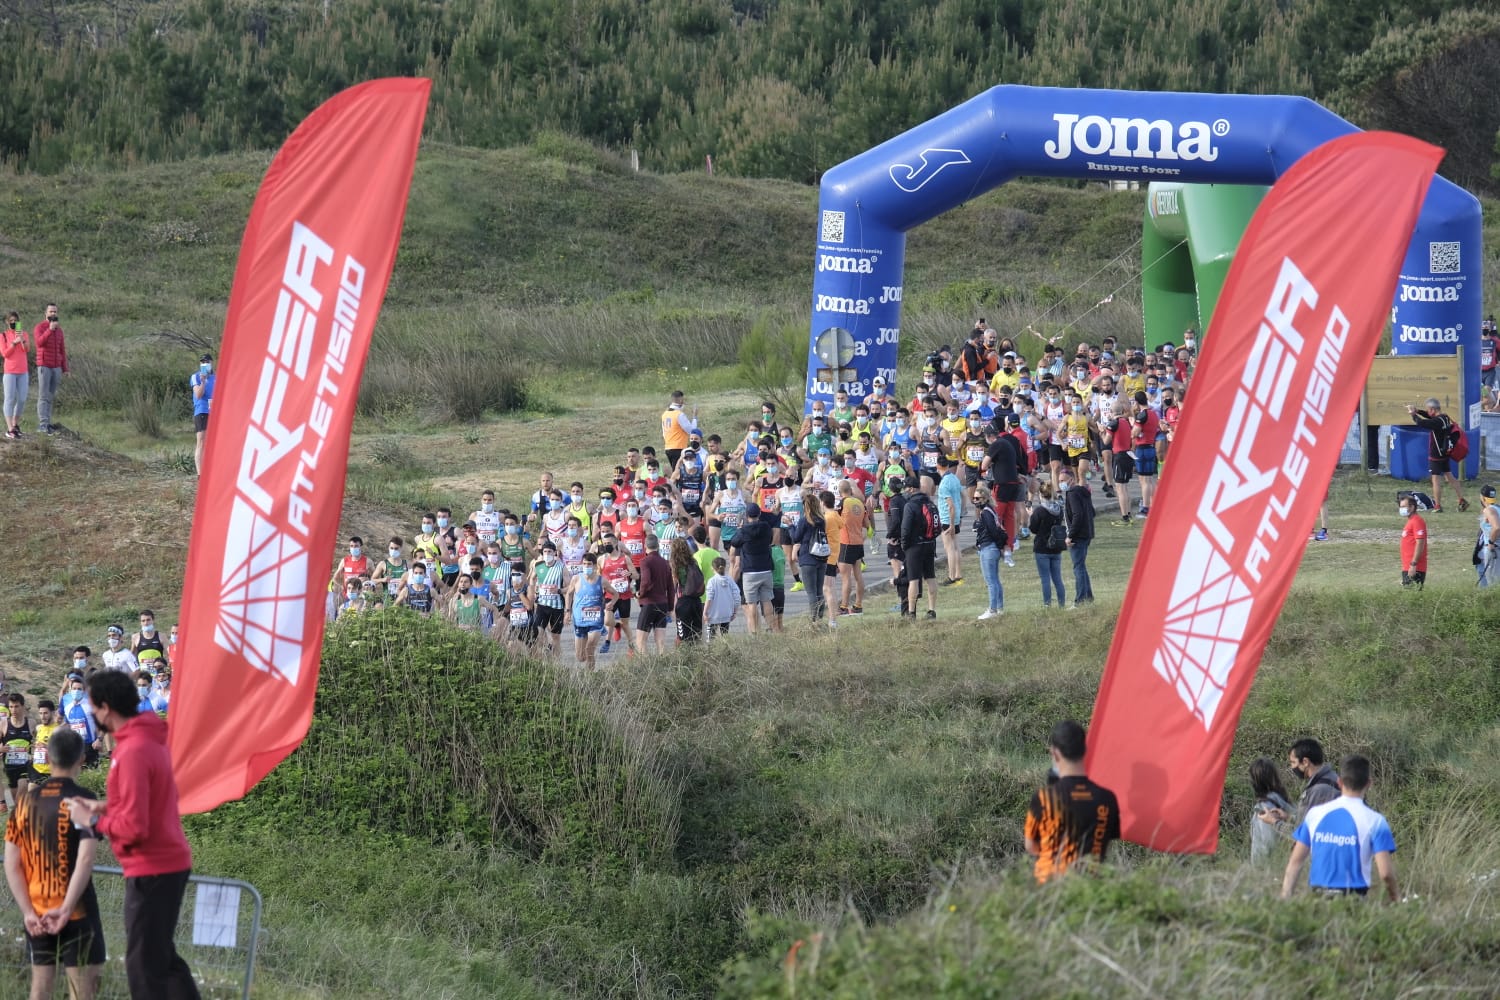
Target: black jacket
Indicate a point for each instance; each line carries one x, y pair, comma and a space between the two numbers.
1042, 520
913, 525
1078, 513
987, 528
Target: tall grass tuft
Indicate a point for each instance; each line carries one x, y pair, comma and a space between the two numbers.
143, 408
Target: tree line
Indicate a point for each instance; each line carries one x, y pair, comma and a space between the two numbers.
768, 88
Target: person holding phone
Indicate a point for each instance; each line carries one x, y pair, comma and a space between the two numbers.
13, 347
51, 365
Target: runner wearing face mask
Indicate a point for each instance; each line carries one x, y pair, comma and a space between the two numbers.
417, 593
116, 656
631, 532
466, 607
555, 520
520, 625
955, 427
390, 572
1051, 409
823, 475
619, 575
585, 603
893, 472
1075, 438
689, 477
972, 448
903, 436
878, 391
424, 544
512, 545
487, 519
547, 580
148, 637
930, 443
606, 515
572, 547
818, 438
577, 508
728, 509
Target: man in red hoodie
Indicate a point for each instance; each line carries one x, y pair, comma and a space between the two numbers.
51, 365
139, 816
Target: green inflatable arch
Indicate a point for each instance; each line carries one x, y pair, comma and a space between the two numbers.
1188, 240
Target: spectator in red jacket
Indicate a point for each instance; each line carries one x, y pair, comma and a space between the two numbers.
139, 816
51, 365
14, 348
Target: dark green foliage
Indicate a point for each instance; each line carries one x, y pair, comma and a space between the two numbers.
783, 89
1434, 80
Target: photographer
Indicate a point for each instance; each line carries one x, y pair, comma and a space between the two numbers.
202, 384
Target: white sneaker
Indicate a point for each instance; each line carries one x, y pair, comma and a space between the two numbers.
987, 616
1010, 561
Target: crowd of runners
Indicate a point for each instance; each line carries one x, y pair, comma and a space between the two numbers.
715, 524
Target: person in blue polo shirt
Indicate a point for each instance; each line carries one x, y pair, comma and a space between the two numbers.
1343, 837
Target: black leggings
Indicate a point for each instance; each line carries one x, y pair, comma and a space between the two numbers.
689, 615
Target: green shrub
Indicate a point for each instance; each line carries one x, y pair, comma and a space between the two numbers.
773, 362
429, 732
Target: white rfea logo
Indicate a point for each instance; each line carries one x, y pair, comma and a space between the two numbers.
1135, 138
263, 585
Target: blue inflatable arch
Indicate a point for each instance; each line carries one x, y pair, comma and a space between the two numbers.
867, 204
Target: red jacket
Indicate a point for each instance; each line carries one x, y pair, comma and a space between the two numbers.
51, 348
140, 817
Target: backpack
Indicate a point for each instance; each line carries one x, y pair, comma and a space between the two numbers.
929, 518
1458, 443
819, 545
1422, 500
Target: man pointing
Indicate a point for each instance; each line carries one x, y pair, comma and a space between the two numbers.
139, 816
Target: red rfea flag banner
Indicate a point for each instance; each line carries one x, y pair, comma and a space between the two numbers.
1283, 366
312, 274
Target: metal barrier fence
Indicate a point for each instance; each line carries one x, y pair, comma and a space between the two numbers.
217, 933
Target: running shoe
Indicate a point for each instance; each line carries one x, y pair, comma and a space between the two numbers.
1010, 560
858, 609
931, 615
1321, 536
797, 587
1463, 504
603, 647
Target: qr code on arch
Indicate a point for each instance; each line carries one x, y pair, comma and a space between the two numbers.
833, 227
1442, 258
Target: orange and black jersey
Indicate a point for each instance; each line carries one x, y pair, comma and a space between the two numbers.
1071, 820
48, 844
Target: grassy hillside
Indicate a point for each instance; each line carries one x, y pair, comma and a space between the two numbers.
844, 792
